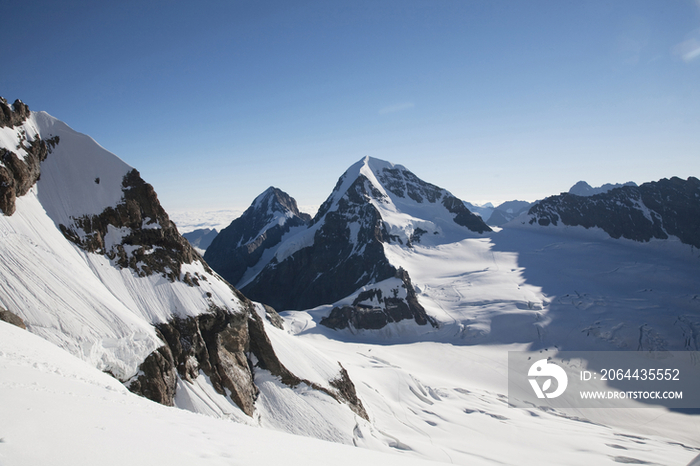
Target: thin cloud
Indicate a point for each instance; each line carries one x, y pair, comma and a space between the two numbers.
689, 49
396, 108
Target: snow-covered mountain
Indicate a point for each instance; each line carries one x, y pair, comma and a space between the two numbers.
92, 263
503, 213
341, 252
201, 238
254, 236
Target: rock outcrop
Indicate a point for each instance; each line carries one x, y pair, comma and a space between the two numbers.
12, 318
20, 169
373, 308
226, 347
137, 233
15, 115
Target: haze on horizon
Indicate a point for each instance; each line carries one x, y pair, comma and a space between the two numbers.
215, 101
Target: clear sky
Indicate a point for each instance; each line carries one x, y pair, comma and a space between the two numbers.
214, 101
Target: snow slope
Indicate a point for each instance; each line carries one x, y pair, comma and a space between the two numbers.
429, 393
442, 393
81, 301
58, 410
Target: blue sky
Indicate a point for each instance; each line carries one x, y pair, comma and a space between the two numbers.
214, 101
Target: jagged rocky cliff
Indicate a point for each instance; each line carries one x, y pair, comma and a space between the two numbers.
92, 263
652, 210
19, 165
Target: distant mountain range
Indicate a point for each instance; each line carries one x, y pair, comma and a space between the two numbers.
201, 238
668, 207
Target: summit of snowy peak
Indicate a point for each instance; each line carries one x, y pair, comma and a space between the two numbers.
272, 215
400, 198
374, 204
274, 200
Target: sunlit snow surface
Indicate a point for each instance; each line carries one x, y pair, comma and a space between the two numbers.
56, 409
82, 301
442, 393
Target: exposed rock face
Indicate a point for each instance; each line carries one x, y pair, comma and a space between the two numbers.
402, 182
383, 309
12, 318
223, 346
141, 235
215, 343
18, 174
652, 210
261, 227
157, 378
329, 269
15, 115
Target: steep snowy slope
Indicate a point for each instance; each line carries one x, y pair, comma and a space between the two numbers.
58, 410
91, 262
374, 204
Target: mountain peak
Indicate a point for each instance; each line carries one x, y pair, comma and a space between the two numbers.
272, 215
275, 200
374, 203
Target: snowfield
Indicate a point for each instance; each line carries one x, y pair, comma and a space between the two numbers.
442, 393
56, 409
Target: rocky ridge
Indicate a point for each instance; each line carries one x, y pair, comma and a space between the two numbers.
652, 210
137, 234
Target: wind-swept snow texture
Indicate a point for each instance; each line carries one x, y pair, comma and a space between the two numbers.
442, 392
